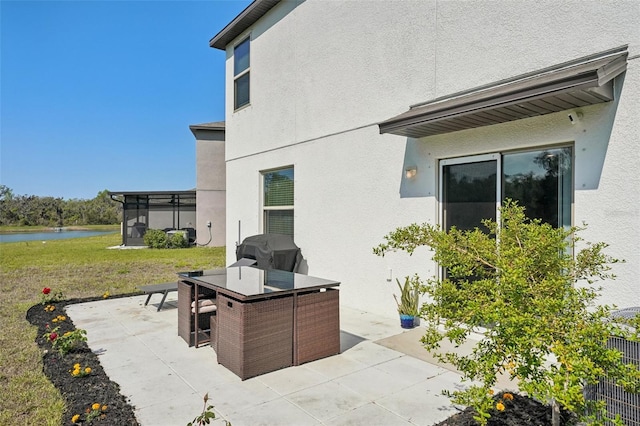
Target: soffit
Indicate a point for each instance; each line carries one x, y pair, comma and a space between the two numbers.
256, 10
574, 84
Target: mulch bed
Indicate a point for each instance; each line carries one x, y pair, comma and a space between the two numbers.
79, 393
521, 411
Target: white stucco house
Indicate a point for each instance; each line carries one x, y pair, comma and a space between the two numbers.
347, 119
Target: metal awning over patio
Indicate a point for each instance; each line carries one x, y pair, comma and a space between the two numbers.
578, 83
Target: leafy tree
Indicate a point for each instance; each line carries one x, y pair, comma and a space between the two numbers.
7, 206
102, 210
75, 212
5, 193
31, 210
521, 287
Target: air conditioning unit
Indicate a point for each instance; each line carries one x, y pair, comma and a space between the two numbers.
619, 401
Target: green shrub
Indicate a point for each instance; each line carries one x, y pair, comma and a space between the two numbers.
530, 292
178, 240
155, 238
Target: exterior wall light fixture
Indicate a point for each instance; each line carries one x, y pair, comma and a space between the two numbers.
411, 172
574, 117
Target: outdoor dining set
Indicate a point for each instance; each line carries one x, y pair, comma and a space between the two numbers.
259, 314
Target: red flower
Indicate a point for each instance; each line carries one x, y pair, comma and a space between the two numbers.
53, 336
46, 290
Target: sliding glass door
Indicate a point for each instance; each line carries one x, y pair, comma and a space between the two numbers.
470, 191
541, 181
473, 188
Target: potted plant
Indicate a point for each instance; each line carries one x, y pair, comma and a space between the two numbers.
408, 303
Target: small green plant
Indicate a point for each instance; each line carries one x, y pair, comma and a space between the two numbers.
409, 296
527, 289
49, 297
206, 416
78, 371
96, 411
67, 341
155, 238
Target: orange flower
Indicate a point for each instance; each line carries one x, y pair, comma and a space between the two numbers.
95, 406
490, 391
508, 396
500, 406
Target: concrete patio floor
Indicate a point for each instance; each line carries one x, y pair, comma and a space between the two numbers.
165, 380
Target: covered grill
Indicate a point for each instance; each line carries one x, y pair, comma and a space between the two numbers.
271, 251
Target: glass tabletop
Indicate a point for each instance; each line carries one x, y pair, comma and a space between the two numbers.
252, 281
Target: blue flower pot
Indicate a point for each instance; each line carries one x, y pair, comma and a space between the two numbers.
407, 321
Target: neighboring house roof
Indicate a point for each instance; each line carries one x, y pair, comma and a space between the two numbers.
205, 131
189, 192
214, 125
256, 10
581, 82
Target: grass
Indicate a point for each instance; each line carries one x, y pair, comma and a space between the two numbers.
78, 268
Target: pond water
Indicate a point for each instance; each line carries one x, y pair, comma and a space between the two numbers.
44, 236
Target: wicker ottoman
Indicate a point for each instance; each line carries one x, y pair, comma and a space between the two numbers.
317, 326
254, 338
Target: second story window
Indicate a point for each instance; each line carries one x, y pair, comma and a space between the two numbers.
241, 74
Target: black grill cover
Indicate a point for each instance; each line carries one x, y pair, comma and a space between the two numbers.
271, 251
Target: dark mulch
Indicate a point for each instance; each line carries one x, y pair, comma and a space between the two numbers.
79, 393
521, 411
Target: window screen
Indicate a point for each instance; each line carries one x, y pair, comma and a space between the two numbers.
278, 201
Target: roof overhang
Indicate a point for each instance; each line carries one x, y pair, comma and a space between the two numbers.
217, 127
574, 84
256, 10
152, 193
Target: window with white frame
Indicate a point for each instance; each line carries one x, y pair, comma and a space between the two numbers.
241, 62
278, 188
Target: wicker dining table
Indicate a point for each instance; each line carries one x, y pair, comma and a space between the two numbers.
266, 319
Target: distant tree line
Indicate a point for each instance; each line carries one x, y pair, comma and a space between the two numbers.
31, 210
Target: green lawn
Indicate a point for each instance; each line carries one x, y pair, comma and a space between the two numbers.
78, 268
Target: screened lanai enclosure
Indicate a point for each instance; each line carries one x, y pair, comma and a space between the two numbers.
165, 210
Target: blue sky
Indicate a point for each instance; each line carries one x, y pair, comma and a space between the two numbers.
99, 95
